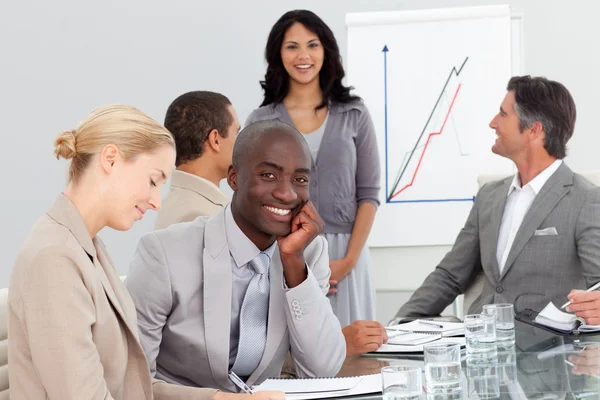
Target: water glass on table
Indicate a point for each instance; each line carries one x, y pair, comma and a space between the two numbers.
507, 365
505, 323
402, 382
480, 332
482, 379
442, 369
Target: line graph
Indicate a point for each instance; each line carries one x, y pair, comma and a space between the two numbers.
425, 148
430, 101
394, 192
458, 143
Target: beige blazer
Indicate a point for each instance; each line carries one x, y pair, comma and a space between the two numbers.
72, 324
190, 197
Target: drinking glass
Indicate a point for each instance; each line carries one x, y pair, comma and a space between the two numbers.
505, 323
402, 382
480, 332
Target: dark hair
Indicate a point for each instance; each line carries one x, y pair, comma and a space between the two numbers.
277, 82
191, 117
550, 103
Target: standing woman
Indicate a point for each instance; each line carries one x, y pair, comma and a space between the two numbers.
71, 323
303, 87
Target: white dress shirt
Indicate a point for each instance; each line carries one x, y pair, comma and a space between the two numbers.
518, 201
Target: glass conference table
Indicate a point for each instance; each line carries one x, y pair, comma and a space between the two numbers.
541, 366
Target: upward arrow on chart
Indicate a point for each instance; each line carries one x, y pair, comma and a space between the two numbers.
385, 108
391, 194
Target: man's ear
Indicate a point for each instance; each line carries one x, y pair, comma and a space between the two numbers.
232, 177
536, 129
108, 156
214, 140
537, 132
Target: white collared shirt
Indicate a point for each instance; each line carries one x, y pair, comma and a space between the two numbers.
518, 201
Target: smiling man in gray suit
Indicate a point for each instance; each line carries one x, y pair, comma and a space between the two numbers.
536, 235
239, 290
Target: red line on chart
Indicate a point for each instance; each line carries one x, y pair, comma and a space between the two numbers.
427, 143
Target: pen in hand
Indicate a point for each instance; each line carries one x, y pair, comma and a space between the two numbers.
237, 381
596, 286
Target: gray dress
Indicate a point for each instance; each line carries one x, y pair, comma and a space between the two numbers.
355, 298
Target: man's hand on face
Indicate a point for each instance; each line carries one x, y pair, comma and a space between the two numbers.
306, 225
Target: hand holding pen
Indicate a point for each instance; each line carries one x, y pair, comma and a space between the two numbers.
585, 305
575, 291
248, 393
237, 381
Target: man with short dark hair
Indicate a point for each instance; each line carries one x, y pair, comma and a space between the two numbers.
204, 125
239, 290
534, 236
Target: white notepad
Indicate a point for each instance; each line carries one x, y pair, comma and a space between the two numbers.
393, 348
554, 318
316, 385
412, 338
323, 388
427, 326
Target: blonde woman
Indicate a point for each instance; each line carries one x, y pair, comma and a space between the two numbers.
72, 324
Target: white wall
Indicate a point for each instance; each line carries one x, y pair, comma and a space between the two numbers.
60, 59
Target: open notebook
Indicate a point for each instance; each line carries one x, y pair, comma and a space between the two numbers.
416, 348
323, 388
443, 328
564, 322
411, 338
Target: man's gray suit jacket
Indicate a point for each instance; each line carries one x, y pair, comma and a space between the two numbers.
540, 268
180, 281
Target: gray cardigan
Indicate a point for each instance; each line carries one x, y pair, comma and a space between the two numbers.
347, 170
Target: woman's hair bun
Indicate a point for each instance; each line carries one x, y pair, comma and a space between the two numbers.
64, 145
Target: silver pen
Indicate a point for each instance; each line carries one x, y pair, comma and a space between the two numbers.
596, 286
239, 383
431, 324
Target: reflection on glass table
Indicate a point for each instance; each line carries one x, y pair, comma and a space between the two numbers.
541, 365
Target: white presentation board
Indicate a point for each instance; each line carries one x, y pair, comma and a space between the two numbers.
432, 80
